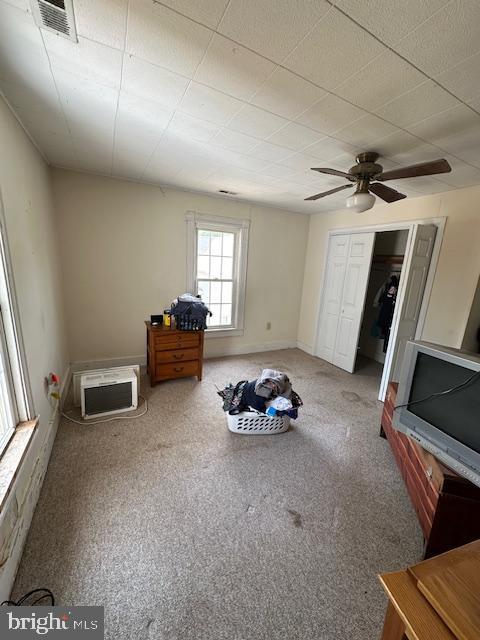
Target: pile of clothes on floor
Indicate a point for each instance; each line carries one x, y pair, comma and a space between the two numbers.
271, 394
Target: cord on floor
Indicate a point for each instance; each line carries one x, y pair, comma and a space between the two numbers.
46, 593
88, 422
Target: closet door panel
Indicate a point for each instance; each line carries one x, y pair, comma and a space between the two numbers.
352, 278
332, 295
413, 297
343, 342
331, 322
416, 272
357, 271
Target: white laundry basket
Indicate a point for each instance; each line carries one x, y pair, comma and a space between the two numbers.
257, 424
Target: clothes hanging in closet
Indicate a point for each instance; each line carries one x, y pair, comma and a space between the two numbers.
385, 300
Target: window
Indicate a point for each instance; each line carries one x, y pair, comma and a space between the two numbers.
217, 261
16, 403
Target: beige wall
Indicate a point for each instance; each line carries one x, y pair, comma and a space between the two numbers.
457, 271
30, 227
124, 258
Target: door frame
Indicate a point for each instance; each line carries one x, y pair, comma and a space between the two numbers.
440, 223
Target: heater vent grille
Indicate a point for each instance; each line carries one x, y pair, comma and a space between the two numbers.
56, 16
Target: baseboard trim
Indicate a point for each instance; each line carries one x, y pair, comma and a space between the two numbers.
305, 347
221, 350
211, 351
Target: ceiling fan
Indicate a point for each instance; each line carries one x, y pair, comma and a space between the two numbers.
366, 171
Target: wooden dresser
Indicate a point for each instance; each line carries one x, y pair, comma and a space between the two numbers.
447, 505
172, 353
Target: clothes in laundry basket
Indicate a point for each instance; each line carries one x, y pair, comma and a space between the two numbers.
252, 399
232, 397
278, 406
273, 383
244, 396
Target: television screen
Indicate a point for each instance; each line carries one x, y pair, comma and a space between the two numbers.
457, 413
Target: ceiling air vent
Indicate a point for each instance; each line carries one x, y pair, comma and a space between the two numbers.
56, 16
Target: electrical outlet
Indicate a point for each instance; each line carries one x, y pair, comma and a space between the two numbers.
269, 325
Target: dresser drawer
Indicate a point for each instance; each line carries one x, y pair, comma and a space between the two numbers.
176, 370
176, 341
177, 355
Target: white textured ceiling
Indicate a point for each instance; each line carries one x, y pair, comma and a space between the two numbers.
247, 95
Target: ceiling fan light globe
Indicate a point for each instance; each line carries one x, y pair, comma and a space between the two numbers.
360, 202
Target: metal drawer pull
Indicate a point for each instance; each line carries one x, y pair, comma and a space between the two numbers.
178, 357
178, 368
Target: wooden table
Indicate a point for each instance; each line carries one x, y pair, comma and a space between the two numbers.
437, 599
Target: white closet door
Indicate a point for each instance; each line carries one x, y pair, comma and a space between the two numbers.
332, 295
415, 274
357, 271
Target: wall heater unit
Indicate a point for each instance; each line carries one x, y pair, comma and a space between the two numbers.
108, 392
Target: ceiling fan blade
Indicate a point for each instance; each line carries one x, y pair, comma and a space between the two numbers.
334, 172
328, 193
414, 170
385, 193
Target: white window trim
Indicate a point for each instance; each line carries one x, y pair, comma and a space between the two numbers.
241, 228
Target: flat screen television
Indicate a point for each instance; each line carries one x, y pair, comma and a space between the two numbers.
438, 404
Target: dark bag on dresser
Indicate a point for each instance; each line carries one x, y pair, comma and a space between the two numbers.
190, 313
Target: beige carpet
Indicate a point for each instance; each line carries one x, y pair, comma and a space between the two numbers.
184, 531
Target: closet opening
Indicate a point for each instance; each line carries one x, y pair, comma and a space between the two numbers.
381, 296
375, 295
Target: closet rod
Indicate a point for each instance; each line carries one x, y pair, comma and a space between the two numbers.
387, 259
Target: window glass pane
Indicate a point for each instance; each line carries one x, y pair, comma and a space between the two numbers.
228, 243
227, 265
226, 314
203, 270
214, 321
204, 291
215, 267
215, 292
216, 243
7, 421
227, 292
203, 242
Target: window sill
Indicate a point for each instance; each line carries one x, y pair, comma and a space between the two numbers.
13, 456
223, 333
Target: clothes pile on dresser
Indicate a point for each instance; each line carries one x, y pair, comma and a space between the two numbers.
190, 313
271, 393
